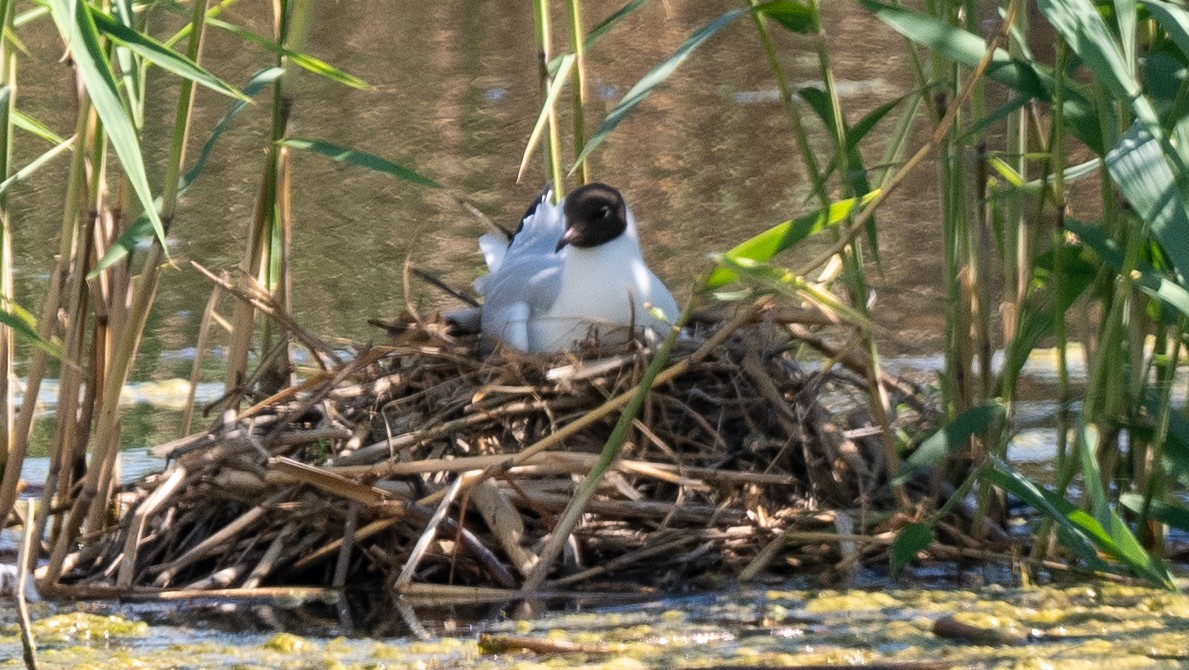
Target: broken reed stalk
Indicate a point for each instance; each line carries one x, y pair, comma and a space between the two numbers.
427, 536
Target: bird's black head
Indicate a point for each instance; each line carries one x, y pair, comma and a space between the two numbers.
595, 213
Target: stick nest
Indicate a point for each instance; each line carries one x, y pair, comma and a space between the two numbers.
421, 463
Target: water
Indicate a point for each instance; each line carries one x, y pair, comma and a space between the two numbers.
1086, 626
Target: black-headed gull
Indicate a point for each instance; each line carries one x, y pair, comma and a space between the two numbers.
571, 269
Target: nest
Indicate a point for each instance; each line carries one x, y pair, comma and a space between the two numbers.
421, 463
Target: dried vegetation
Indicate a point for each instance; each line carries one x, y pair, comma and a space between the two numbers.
422, 466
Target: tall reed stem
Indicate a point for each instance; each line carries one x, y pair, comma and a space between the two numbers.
90, 504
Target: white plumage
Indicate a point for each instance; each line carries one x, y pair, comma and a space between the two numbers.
571, 270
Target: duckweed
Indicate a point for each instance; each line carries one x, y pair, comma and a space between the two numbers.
1098, 627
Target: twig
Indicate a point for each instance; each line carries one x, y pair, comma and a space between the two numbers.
438, 283
168, 571
269, 560
586, 420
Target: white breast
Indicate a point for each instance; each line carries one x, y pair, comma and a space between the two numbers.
537, 300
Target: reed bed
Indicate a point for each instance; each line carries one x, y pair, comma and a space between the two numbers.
422, 463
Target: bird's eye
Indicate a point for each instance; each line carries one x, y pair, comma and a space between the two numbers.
604, 212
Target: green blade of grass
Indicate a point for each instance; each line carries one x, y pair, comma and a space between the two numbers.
765, 245
304, 61
359, 159
160, 55
35, 127
82, 37
655, 77
36, 164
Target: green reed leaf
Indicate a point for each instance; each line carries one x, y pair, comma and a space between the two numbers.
78, 29
1088, 36
765, 245
304, 61
1139, 166
782, 281
822, 105
1114, 538
910, 541
24, 325
359, 159
954, 437
1147, 278
36, 164
1176, 442
1175, 516
1173, 19
32, 125
1023, 76
603, 27
160, 55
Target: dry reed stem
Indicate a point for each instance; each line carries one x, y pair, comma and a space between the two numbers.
167, 572
28, 645
270, 558
175, 475
204, 328
427, 535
